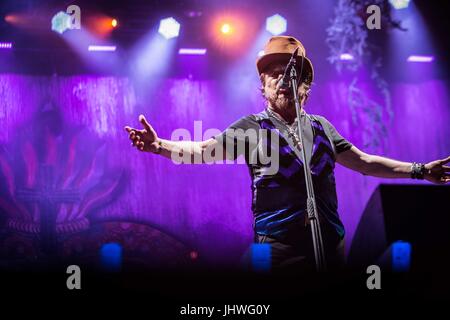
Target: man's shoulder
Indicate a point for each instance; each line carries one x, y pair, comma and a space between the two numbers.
323, 121
246, 122
317, 117
258, 116
253, 118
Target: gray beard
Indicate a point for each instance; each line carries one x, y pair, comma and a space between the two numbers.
282, 103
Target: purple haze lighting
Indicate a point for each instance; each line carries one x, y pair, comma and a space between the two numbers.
192, 51
101, 48
5, 45
414, 58
346, 56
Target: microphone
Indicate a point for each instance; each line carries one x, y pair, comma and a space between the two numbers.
285, 80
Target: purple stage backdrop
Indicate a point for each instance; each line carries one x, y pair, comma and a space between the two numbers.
76, 125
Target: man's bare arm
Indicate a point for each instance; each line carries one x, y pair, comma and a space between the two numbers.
147, 140
378, 166
193, 151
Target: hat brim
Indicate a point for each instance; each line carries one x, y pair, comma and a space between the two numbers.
307, 73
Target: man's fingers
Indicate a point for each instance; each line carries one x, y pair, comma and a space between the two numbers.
445, 160
140, 145
144, 122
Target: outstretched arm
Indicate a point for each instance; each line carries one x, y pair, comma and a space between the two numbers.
146, 140
190, 151
372, 165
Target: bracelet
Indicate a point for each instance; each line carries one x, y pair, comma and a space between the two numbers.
417, 170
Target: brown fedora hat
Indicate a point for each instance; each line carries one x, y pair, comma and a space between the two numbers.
280, 49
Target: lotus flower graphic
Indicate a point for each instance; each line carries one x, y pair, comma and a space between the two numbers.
53, 177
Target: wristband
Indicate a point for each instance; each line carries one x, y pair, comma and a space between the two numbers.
417, 170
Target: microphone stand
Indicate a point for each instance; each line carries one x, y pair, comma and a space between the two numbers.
313, 217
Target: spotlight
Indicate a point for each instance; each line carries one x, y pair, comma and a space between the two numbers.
6, 45
401, 256
192, 51
111, 256
101, 48
414, 58
232, 32
114, 23
61, 22
276, 24
226, 28
169, 28
346, 56
399, 4
10, 18
193, 255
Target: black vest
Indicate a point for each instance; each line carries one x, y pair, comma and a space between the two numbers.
279, 199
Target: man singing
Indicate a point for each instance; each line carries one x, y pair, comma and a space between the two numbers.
279, 198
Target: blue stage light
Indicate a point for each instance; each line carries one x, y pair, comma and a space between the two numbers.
399, 4
111, 257
261, 257
401, 256
169, 28
61, 22
276, 24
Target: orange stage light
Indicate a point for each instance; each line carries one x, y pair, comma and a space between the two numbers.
100, 25
226, 28
232, 32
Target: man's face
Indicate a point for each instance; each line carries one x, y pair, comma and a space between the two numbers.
282, 98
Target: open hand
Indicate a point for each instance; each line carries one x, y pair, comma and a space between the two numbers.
145, 139
437, 171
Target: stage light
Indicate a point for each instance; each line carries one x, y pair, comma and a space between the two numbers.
169, 28
226, 28
193, 255
399, 4
11, 18
232, 32
192, 51
21, 19
401, 256
414, 58
276, 24
5, 45
114, 23
346, 56
111, 257
261, 257
101, 48
61, 22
